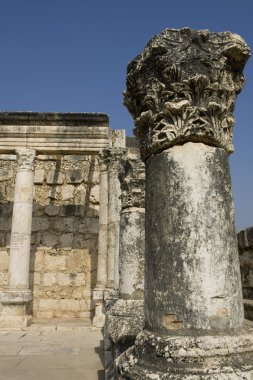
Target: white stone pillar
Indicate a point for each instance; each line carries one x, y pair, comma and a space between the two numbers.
114, 207
181, 91
17, 293
98, 293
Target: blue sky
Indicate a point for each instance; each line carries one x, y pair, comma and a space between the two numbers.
71, 56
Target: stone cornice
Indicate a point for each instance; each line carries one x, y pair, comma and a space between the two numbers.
183, 87
54, 118
69, 133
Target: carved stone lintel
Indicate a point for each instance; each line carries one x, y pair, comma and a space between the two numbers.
132, 182
25, 158
183, 87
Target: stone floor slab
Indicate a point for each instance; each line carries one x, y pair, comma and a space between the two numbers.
43, 353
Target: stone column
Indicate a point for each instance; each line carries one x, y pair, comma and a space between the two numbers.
114, 207
181, 92
17, 293
98, 294
125, 319
132, 219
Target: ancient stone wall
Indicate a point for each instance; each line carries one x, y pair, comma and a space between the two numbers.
64, 233
245, 245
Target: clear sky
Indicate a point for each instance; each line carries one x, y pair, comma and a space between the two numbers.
71, 56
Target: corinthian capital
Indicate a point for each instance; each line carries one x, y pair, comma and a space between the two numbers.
132, 182
25, 158
183, 87
110, 159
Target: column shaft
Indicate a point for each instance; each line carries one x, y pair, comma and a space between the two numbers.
131, 282
113, 229
17, 293
192, 263
103, 225
21, 231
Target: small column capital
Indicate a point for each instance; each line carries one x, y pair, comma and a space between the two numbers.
182, 88
25, 159
110, 159
132, 182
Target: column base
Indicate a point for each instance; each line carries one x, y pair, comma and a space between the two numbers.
125, 320
189, 356
14, 313
99, 317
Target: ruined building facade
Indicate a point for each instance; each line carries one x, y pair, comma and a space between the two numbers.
138, 237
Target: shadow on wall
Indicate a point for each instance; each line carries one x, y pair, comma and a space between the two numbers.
64, 243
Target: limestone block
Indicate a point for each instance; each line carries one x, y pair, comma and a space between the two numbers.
81, 194
52, 210
74, 261
90, 225
54, 193
67, 192
54, 177
6, 209
69, 305
6, 174
79, 241
79, 279
64, 279
55, 262
48, 305
3, 279
5, 224
64, 224
45, 314
72, 210
66, 240
4, 260
34, 279
95, 176
85, 314
49, 240
39, 176
94, 194
37, 260
74, 176
39, 224
77, 293
50, 279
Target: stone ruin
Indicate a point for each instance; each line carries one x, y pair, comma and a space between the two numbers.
137, 235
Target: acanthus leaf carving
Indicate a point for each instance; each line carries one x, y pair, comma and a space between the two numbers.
183, 88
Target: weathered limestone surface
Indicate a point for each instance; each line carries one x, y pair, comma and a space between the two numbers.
201, 267
17, 294
85, 133
183, 86
114, 156
125, 318
64, 241
181, 92
66, 205
245, 244
132, 234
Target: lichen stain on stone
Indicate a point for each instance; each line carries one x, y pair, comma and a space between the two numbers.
171, 322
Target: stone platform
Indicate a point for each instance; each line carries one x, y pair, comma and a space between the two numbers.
52, 349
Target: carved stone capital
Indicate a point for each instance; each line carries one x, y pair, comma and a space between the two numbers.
183, 87
132, 182
110, 159
25, 158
